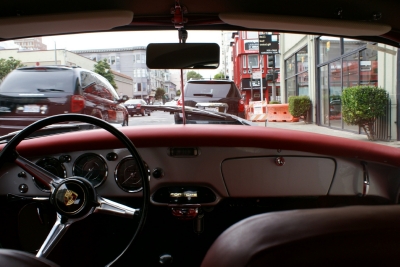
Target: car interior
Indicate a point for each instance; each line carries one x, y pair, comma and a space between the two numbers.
189, 194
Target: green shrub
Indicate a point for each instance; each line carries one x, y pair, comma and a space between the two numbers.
274, 102
299, 106
361, 105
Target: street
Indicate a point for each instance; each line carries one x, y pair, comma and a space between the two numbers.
157, 118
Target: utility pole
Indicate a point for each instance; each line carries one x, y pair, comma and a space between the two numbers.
261, 83
55, 53
251, 82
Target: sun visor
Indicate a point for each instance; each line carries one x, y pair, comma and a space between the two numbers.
303, 24
63, 23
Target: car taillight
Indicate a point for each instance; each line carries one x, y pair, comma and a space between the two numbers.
138, 106
77, 103
179, 103
241, 105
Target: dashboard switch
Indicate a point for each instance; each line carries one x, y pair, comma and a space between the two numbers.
158, 173
23, 188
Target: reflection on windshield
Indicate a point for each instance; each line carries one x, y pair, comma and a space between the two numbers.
321, 68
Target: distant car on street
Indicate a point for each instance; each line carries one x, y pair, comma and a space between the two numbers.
136, 107
157, 102
171, 103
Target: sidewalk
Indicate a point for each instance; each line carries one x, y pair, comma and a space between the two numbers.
301, 126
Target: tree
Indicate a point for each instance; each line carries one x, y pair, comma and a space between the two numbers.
103, 68
160, 94
194, 75
362, 105
8, 65
219, 76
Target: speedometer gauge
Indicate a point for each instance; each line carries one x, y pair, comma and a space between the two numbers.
92, 167
52, 165
127, 175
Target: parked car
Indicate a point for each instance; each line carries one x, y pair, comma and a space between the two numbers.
29, 94
224, 92
158, 102
171, 103
136, 107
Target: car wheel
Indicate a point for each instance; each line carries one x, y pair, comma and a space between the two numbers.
148, 114
143, 113
132, 114
68, 214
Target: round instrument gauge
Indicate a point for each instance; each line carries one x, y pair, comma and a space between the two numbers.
92, 167
127, 175
52, 165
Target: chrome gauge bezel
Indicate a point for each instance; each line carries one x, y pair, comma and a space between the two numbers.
102, 161
119, 182
58, 162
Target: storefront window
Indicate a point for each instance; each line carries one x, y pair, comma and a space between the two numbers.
302, 60
324, 89
369, 67
329, 49
296, 68
302, 83
291, 87
290, 66
351, 45
350, 71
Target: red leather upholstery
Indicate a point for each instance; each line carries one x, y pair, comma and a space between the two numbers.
347, 236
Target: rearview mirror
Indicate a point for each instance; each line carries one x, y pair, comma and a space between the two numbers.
182, 56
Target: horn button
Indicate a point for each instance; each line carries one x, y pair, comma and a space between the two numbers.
71, 196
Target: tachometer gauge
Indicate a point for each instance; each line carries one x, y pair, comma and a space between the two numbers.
52, 165
127, 175
92, 167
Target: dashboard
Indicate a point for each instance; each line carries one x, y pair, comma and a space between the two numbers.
206, 174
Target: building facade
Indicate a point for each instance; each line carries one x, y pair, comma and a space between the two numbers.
130, 61
322, 67
34, 43
251, 69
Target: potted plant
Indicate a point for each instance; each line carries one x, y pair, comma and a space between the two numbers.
299, 106
361, 105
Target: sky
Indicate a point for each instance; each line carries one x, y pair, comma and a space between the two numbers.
129, 39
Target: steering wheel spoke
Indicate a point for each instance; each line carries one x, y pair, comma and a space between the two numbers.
39, 173
107, 206
56, 233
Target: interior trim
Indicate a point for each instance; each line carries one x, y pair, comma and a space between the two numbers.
101, 20
214, 135
304, 24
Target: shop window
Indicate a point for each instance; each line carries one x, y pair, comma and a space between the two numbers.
329, 49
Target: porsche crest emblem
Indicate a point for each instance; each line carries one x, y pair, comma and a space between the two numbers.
70, 197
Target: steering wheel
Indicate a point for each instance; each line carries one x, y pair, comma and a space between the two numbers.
74, 198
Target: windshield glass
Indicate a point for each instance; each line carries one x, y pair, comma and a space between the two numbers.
254, 82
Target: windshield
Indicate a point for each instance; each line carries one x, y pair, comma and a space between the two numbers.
257, 83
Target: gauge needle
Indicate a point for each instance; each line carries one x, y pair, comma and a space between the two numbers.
89, 173
130, 176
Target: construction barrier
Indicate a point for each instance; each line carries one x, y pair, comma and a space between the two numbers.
257, 111
279, 112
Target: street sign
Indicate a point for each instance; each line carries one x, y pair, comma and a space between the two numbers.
268, 44
257, 75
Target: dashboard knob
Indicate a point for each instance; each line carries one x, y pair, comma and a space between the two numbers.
165, 259
158, 173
